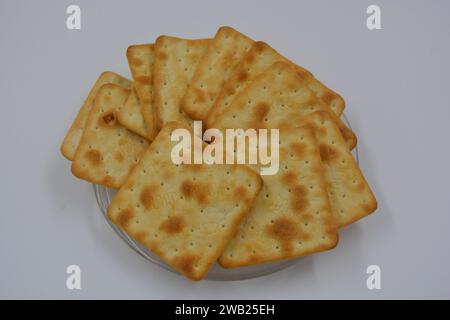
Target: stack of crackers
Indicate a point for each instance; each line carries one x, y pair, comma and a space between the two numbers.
192, 215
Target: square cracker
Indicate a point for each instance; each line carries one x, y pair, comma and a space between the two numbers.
349, 193
140, 59
107, 151
130, 115
73, 136
223, 54
277, 98
291, 216
258, 59
186, 214
175, 62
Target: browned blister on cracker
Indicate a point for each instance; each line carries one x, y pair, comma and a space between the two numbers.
130, 115
258, 59
176, 60
107, 151
277, 98
223, 54
291, 216
140, 59
350, 195
184, 213
73, 136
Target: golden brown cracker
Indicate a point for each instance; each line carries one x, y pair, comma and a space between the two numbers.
184, 213
277, 98
140, 59
291, 216
73, 136
130, 115
176, 60
223, 54
350, 195
258, 59
107, 151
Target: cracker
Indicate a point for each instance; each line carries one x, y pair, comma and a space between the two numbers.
130, 115
186, 214
291, 216
175, 62
224, 53
258, 59
277, 98
107, 151
73, 136
140, 59
349, 193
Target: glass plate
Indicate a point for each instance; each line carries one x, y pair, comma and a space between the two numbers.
217, 273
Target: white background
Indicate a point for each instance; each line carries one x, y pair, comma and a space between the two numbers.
396, 85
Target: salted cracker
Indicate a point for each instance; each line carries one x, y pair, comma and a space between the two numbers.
291, 216
258, 59
223, 54
277, 98
73, 136
140, 59
350, 195
176, 60
130, 115
107, 151
184, 213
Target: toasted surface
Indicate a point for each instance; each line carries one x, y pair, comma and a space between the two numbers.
186, 214
140, 59
107, 151
223, 54
73, 136
175, 62
277, 98
258, 59
130, 115
291, 216
349, 193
